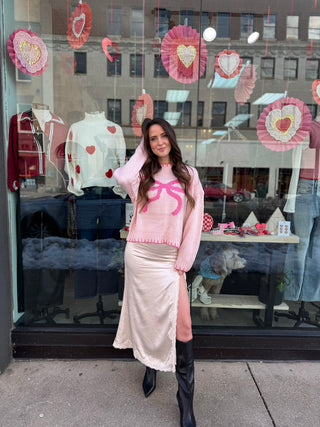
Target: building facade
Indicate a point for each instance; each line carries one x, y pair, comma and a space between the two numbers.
238, 80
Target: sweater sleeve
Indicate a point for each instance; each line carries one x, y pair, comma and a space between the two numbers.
192, 226
128, 175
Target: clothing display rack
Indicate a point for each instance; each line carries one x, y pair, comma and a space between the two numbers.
101, 313
302, 316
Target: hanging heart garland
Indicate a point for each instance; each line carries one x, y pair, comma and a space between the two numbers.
28, 52
80, 25
316, 91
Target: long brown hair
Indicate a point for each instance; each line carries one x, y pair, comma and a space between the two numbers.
152, 164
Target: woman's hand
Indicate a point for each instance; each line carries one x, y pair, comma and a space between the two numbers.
180, 272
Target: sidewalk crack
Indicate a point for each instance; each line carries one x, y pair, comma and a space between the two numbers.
261, 396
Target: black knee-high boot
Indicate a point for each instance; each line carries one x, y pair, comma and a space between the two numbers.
149, 381
185, 377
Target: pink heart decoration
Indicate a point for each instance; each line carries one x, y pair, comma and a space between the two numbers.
112, 129
91, 149
78, 24
142, 113
105, 44
283, 125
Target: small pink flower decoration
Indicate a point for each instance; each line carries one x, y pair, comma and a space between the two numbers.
28, 52
180, 51
284, 124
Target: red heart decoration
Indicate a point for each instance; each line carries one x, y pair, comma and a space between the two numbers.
91, 149
105, 44
261, 227
109, 174
69, 158
283, 124
79, 24
112, 129
78, 169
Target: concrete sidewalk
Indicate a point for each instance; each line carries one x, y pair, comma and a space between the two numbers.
107, 393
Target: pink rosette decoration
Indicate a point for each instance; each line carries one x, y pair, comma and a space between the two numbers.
316, 91
246, 84
184, 54
142, 109
284, 124
28, 52
80, 25
228, 64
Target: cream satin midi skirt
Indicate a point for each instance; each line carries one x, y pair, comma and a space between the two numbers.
148, 319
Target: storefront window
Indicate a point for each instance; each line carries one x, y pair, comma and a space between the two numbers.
81, 76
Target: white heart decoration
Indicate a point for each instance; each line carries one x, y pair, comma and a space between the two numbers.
273, 118
187, 55
229, 63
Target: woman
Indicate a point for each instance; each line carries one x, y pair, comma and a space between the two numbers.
162, 244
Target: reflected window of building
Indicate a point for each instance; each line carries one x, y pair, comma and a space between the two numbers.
290, 68
243, 109
137, 19
185, 109
159, 70
293, 27
114, 110
114, 19
267, 68
162, 22
314, 28
247, 24
313, 110
312, 69
269, 27
205, 21
247, 60
187, 17
219, 110
200, 112
114, 68
80, 62
136, 65
160, 107
223, 25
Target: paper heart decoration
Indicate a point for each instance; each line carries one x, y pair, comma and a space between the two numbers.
105, 45
316, 91
142, 109
91, 149
228, 64
284, 124
112, 129
187, 54
28, 52
184, 54
80, 25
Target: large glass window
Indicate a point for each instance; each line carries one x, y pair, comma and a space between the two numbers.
71, 124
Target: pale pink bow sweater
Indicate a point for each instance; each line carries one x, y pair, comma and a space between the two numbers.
167, 218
